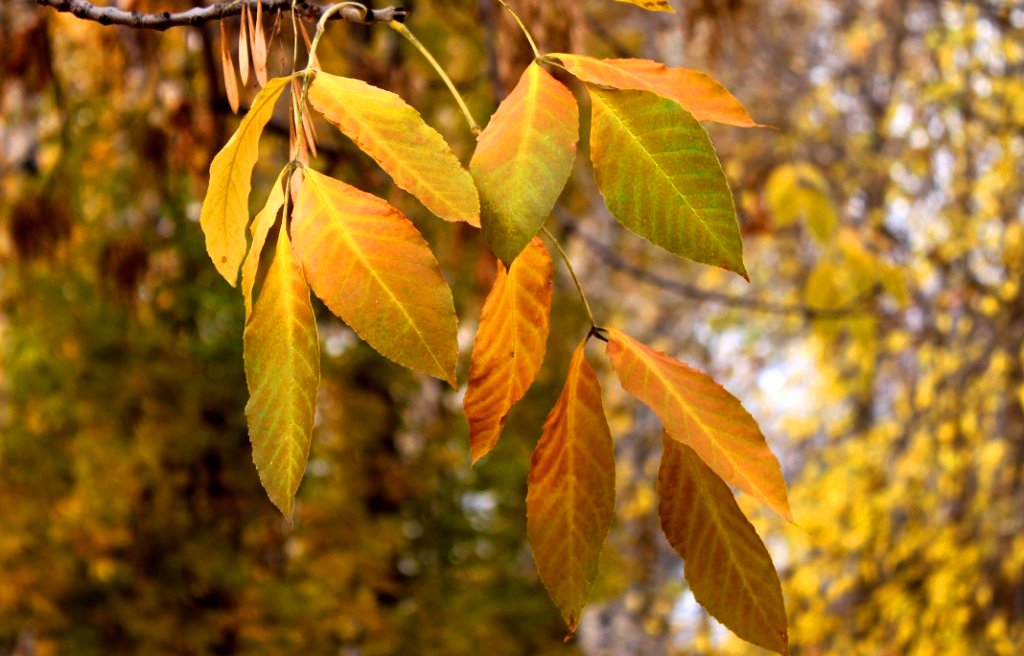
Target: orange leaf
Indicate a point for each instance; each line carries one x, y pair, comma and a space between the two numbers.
523, 160
698, 412
570, 498
727, 566
374, 270
230, 81
699, 94
509, 346
651, 5
282, 370
414, 154
259, 48
243, 45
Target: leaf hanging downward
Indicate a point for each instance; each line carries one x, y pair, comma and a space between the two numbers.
243, 45
570, 499
261, 225
651, 5
374, 270
523, 159
414, 154
699, 94
509, 346
697, 411
282, 368
225, 210
259, 48
727, 566
228, 67
661, 178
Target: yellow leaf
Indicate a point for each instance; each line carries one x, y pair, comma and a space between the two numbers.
523, 159
651, 5
570, 498
373, 269
727, 566
509, 346
795, 191
225, 212
261, 225
282, 368
391, 132
698, 93
698, 412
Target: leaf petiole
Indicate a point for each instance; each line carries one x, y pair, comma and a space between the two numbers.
522, 26
404, 31
595, 330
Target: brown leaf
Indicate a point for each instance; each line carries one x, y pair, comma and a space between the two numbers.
230, 81
243, 45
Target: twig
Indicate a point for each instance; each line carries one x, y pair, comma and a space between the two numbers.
218, 11
610, 257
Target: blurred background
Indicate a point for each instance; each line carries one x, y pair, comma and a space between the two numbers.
879, 343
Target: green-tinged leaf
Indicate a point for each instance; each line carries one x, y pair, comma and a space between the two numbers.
523, 159
697, 411
282, 368
698, 93
509, 346
374, 270
261, 225
661, 178
414, 154
651, 5
225, 212
727, 566
570, 498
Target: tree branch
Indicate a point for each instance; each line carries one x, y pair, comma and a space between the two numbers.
610, 257
218, 11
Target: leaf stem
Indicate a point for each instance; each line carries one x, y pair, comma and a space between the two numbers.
594, 328
321, 25
404, 31
522, 26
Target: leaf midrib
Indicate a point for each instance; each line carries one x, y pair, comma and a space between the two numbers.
365, 262
723, 250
